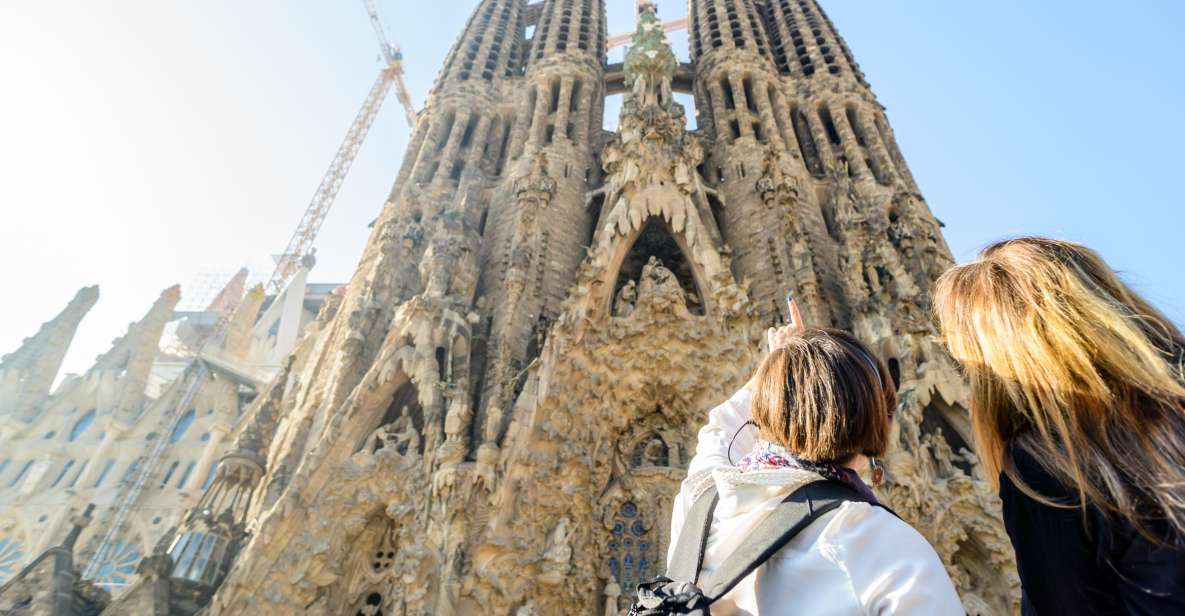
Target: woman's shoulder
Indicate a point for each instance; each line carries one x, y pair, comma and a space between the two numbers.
887, 561
859, 525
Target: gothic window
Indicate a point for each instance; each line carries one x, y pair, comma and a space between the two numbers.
183, 424
650, 452
534, 93
119, 564
169, 473
503, 147
11, 554
210, 475
864, 139
81, 425
446, 130
772, 97
103, 473
554, 106
185, 475
632, 555
21, 474
441, 364
895, 371
470, 127
750, 100
656, 264
481, 226
574, 99
829, 126
130, 471
806, 143
65, 469
81, 470
729, 99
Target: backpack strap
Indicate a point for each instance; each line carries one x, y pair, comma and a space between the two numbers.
797, 511
688, 556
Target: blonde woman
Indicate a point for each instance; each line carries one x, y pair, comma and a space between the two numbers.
1078, 407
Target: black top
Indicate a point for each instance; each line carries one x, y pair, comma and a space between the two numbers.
1096, 565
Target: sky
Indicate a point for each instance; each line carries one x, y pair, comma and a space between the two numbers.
145, 143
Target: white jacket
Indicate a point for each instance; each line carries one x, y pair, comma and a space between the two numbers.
858, 559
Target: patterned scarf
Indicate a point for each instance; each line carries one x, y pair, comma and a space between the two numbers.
770, 456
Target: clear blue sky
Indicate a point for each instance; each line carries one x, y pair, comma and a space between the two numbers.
146, 143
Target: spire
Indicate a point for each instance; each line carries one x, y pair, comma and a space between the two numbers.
131, 356
650, 64
231, 295
27, 374
238, 331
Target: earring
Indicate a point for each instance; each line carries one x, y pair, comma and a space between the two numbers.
877, 472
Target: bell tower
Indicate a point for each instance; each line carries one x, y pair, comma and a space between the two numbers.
496, 413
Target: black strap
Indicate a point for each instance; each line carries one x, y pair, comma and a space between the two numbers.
688, 556
797, 511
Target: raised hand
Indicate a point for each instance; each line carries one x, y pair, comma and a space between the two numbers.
778, 337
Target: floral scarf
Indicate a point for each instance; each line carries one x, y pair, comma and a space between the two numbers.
771, 456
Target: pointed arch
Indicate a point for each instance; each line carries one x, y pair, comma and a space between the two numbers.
404, 403
182, 425
657, 241
81, 425
953, 423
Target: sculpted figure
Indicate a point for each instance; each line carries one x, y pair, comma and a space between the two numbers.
658, 280
655, 453
560, 552
623, 306
399, 435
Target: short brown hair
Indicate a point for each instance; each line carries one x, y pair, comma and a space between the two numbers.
825, 397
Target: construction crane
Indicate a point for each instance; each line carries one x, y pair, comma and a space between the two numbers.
299, 251
301, 243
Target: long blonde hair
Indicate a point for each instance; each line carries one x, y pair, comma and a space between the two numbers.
1069, 365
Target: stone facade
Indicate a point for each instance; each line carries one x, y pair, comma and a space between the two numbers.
495, 414
88, 439
498, 414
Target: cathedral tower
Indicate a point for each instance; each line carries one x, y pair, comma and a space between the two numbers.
496, 413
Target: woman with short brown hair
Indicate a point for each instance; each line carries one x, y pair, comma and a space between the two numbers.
822, 406
1078, 410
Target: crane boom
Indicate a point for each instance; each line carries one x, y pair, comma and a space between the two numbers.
306, 231
394, 59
